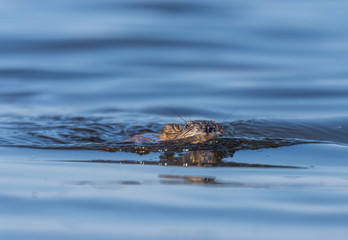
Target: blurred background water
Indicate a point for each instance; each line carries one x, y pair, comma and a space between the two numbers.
79, 78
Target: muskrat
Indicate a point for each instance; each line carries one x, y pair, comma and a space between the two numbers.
198, 131
192, 131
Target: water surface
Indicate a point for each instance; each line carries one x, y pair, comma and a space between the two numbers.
80, 78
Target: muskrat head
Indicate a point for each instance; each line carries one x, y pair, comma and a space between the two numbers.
200, 130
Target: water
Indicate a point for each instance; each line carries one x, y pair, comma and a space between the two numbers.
80, 78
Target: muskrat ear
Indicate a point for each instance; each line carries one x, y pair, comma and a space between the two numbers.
171, 128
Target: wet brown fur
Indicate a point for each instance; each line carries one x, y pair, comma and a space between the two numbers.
199, 130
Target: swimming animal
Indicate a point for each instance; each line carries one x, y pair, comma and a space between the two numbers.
193, 131
199, 131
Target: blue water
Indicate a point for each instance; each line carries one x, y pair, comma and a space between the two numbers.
78, 79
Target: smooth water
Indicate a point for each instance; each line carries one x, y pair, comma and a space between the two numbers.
78, 79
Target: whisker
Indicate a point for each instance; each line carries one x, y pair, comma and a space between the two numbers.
228, 116
181, 117
176, 113
183, 134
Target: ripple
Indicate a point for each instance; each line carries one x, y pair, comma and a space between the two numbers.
39, 74
170, 7
326, 129
56, 132
295, 34
180, 112
211, 64
44, 46
18, 96
185, 163
288, 92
